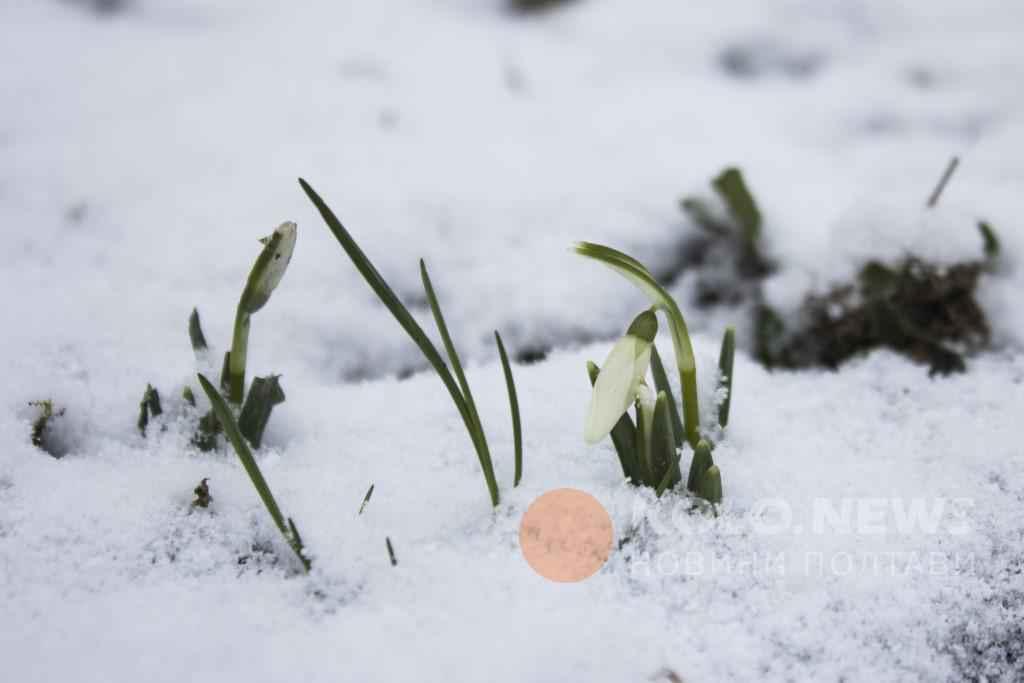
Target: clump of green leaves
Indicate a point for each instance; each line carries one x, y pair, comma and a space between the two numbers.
227, 420
457, 386
149, 407
649, 447
730, 246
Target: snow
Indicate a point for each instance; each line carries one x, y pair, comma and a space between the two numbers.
144, 152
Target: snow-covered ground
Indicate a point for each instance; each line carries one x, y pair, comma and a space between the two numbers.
143, 152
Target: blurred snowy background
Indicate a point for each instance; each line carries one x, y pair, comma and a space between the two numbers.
146, 144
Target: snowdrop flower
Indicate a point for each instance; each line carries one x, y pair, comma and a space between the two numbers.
634, 271
621, 377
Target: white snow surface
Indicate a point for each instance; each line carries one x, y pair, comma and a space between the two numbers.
143, 152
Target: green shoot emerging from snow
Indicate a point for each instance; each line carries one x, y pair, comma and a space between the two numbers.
457, 386
227, 421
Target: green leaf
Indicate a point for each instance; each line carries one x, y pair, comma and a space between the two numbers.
710, 487
205, 438
513, 402
992, 246
264, 394
699, 465
670, 479
702, 215
391, 552
644, 466
635, 272
730, 186
366, 499
227, 421
408, 323
195, 332
623, 436
662, 385
477, 432
663, 445
148, 407
726, 359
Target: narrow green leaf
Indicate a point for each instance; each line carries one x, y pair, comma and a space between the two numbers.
405, 319
227, 421
661, 384
644, 469
188, 396
992, 246
391, 552
478, 436
703, 216
623, 436
733, 190
699, 465
670, 479
195, 332
726, 358
663, 444
366, 499
264, 394
225, 372
933, 199
513, 402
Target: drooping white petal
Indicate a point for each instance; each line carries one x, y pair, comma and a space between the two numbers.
616, 386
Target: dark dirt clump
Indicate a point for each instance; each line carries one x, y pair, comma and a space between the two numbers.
926, 312
922, 311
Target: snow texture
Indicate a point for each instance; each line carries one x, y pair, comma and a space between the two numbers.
146, 145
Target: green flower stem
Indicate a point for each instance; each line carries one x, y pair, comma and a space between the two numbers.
726, 360
264, 277
235, 381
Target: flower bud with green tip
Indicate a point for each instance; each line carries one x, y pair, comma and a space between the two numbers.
619, 380
700, 464
710, 488
264, 278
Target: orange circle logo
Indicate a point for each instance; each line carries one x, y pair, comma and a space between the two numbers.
566, 535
